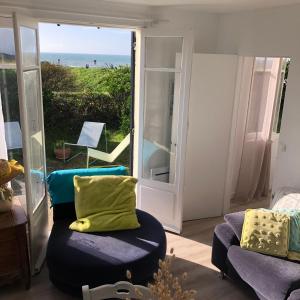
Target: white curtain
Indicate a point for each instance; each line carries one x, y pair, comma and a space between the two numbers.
3, 148
252, 166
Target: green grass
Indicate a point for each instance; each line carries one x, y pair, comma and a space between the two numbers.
107, 81
113, 139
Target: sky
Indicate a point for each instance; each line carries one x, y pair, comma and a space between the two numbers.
83, 39
7, 35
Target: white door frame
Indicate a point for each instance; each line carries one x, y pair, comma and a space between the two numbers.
40, 210
177, 186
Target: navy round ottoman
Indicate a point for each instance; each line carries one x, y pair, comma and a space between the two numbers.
75, 259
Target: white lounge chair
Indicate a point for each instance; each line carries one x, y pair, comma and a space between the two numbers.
13, 135
89, 136
120, 290
108, 157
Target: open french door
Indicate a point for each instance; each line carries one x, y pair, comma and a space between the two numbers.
163, 71
32, 123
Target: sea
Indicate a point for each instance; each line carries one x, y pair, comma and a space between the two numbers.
85, 60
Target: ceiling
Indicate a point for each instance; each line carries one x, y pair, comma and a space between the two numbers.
213, 5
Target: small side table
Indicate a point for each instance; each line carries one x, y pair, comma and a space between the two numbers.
14, 254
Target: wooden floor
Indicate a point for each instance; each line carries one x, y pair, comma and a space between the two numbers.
193, 252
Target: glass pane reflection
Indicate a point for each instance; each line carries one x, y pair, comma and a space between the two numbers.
31, 80
28, 44
161, 96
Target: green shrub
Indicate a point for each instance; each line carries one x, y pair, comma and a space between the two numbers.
114, 82
76, 95
9, 94
125, 117
56, 78
68, 111
72, 96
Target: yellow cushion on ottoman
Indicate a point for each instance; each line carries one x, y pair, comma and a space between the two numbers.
104, 203
266, 232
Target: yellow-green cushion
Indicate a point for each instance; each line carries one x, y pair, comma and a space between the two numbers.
266, 232
105, 203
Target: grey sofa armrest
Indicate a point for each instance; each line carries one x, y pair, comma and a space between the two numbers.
223, 239
226, 235
235, 221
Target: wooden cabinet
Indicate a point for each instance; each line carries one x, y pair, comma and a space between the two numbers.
14, 254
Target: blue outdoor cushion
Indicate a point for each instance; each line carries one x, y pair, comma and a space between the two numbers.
61, 186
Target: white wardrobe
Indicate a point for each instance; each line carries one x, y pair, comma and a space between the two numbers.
212, 94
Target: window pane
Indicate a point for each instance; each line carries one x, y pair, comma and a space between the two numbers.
7, 43
163, 52
31, 79
11, 140
28, 44
159, 125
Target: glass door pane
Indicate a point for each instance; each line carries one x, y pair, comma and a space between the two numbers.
29, 47
33, 104
10, 126
162, 52
158, 122
7, 49
163, 63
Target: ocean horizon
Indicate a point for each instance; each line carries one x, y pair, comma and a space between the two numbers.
85, 60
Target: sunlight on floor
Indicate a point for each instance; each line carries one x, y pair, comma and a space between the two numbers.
181, 244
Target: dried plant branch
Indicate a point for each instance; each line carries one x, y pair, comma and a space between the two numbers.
166, 286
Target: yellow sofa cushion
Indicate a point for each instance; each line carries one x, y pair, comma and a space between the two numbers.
105, 203
266, 232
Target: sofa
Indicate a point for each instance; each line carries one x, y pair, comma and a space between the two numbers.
75, 259
270, 278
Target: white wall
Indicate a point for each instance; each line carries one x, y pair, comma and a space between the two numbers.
272, 32
94, 12
210, 117
204, 26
